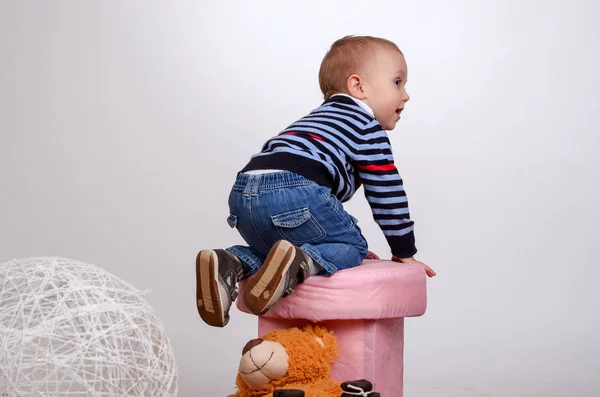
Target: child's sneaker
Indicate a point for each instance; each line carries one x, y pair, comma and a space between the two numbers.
217, 274
285, 266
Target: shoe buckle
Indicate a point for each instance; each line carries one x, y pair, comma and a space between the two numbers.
288, 291
303, 272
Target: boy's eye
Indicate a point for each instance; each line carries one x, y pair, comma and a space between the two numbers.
397, 82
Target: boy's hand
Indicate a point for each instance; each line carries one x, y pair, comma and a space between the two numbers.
430, 272
371, 255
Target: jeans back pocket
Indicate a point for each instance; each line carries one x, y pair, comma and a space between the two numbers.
298, 226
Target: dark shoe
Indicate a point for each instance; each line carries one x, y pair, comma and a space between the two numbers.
285, 266
358, 388
217, 274
288, 393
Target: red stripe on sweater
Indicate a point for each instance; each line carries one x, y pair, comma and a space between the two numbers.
386, 167
309, 134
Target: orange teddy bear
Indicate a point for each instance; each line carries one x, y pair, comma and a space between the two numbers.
293, 363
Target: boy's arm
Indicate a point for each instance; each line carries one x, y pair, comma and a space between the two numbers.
385, 193
384, 190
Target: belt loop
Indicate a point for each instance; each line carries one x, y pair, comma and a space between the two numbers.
252, 184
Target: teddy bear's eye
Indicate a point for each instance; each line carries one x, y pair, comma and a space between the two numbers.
320, 341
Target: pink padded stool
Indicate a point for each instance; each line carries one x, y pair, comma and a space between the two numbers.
365, 307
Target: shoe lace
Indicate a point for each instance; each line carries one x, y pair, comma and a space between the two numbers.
359, 391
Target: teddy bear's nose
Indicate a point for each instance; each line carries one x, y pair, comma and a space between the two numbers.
251, 344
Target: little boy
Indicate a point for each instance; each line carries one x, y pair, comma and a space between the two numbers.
287, 201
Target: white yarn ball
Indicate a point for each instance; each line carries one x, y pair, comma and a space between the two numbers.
70, 329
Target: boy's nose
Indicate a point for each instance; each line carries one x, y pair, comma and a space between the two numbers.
252, 343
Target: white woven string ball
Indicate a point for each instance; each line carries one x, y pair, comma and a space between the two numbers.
69, 328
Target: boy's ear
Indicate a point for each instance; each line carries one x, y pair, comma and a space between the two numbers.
354, 84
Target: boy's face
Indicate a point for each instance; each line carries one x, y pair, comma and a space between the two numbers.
383, 86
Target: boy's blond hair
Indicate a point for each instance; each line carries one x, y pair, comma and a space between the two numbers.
344, 58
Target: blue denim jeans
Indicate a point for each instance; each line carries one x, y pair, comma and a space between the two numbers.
277, 206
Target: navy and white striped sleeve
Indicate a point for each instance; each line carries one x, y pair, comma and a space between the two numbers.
384, 190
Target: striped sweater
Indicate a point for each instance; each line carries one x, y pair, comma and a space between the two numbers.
340, 145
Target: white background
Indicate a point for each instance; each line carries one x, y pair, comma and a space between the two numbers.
123, 124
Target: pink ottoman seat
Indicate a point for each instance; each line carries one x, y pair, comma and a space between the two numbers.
365, 307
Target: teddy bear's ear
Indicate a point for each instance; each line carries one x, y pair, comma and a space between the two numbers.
318, 331
326, 339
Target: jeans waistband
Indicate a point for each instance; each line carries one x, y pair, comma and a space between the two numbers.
272, 180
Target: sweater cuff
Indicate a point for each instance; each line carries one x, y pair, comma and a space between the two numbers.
403, 246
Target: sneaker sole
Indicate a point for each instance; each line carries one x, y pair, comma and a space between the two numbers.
261, 287
208, 296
